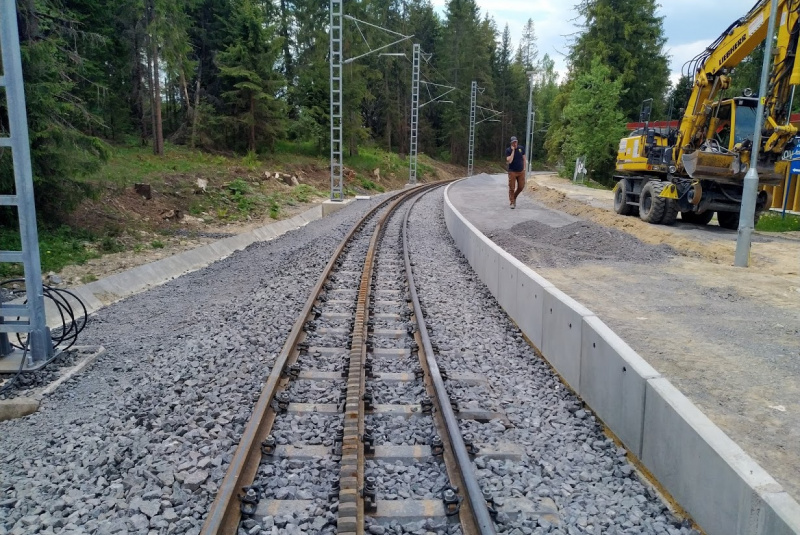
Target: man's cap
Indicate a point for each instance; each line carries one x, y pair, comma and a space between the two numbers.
513, 139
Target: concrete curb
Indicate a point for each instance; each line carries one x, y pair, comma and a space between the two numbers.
114, 288
19, 407
705, 472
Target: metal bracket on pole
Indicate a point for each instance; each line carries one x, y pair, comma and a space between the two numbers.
30, 317
529, 128
336, 92
416, 106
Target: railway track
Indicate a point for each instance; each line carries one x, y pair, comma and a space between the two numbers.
359, 429
363, 316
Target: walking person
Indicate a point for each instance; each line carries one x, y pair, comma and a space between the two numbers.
517, 164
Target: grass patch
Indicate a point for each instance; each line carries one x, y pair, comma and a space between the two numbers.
131, 164
773, 222
57, 247
156, 244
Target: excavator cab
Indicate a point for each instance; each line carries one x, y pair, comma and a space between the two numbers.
723, 148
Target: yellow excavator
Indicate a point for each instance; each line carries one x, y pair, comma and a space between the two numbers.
698, 168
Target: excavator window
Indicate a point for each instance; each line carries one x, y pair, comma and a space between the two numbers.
745, 120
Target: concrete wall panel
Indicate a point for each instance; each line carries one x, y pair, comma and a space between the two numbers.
700, 466
613, 381
561, 334
724, 490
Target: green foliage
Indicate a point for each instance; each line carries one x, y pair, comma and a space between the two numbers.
58, 247
773, 222
157, 244
594, 123
247, 65
628, 37
304, 193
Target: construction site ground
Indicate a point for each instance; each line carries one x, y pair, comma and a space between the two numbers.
727, 337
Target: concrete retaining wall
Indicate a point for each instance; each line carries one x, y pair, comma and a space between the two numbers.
709, 475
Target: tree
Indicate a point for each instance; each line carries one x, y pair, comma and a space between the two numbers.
628, 37
466, 48
58, 117
594, 122
247, 63
527, 46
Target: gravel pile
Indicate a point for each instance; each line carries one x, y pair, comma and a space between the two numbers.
141, 440
541, 245
568, 459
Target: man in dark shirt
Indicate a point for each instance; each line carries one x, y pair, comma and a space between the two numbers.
517, 164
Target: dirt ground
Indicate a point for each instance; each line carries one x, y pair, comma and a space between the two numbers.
727, 337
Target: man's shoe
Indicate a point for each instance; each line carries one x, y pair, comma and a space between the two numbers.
513, 205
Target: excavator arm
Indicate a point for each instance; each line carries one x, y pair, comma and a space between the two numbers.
712, 77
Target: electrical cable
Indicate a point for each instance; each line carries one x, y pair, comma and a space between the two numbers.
63, 337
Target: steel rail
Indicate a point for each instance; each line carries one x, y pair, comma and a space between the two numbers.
224, 514
351, 469
476, 501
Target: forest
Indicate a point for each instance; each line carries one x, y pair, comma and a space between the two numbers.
239, 76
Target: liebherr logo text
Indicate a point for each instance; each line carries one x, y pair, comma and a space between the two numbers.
733, 49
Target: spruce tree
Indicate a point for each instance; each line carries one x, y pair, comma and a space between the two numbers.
628, 37
247, 63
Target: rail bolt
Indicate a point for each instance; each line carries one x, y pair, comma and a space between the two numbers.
334, 492
426, 404
419, 373
294, 371
437, 446
472, 449
283, 401
452, 501
369, 440
370, 494
368, 368
269, 445
367, 398
249, 502
443, 374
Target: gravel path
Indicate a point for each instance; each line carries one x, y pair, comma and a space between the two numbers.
568, 459
140, 442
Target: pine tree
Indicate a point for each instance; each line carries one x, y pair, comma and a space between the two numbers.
527, 47
247, 63
465, 51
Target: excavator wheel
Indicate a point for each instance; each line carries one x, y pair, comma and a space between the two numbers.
697, 219
670, 212
651, 206
621, 205
728, 220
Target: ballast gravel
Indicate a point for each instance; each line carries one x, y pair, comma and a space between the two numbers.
139, 442
568, 460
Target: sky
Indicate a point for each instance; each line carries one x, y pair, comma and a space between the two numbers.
689, 25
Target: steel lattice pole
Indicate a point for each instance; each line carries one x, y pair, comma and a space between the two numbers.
337, 163
473, 105
412, 172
